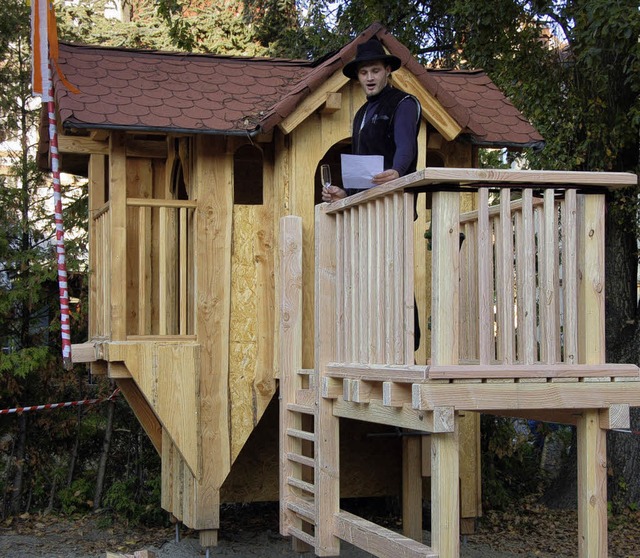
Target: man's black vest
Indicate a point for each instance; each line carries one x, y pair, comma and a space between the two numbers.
376, 136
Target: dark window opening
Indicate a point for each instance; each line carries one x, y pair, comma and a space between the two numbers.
248, 176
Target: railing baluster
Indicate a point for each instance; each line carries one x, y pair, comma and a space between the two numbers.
549, 281
485, 286
570, 278
183, 270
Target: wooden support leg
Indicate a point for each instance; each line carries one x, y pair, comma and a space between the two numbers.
592, 486
445, 494
411, 488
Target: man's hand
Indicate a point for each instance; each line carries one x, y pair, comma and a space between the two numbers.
385, 176
333, 193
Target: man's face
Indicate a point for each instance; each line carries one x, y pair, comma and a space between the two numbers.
373, 77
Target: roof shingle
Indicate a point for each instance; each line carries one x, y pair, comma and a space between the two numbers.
136, 89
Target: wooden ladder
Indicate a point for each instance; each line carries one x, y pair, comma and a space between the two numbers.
298, 400
297, 453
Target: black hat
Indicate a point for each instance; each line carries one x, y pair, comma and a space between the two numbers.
370, 51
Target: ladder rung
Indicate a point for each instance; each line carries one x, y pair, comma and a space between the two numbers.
295, 433
304, 509
306, 371
300, 534
302, 485
303, 460
301, 409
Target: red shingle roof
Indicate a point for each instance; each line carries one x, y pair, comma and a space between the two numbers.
201, 93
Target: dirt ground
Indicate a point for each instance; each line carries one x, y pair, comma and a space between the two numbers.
252, 530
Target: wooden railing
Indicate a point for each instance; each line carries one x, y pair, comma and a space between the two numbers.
159, 260
524, 291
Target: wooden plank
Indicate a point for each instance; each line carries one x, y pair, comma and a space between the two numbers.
467, 371
473, 177
398, 327
82, 145
502, 396
167, 203
84, 352
145, 302
378, 372
403, 417
327, 447
378, 540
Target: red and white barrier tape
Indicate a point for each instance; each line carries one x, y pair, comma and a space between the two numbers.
59, 405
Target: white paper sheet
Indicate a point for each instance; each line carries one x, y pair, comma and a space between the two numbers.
358, 170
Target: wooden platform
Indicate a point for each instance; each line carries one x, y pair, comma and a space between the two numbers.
517, 329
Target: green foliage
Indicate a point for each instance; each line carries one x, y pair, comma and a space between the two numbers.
510, 462
76, 498
134, 503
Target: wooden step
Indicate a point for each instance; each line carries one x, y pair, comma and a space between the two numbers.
302, 485
302, 459
300, 534
304, 409
303, 507
301, 434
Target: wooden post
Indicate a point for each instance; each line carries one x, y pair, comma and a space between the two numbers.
591, 439
445, 491
290, 357
327, 471
213, 170
118, 235
412, 487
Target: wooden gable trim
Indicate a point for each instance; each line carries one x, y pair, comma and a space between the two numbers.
313, 102
432, 110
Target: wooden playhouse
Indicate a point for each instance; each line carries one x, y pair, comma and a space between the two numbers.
216, 280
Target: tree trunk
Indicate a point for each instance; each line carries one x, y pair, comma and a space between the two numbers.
102, 467
18, 476
76, 446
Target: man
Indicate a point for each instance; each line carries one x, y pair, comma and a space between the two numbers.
387, 124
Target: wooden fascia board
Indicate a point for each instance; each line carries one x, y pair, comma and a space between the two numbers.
81, 144
313, 102
432, 110
133, 147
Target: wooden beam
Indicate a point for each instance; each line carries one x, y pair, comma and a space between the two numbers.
378, 540
143, 412
332, 104
469, 371
517, 396
472, 178
313, 102
440, 420
82, 145
432, 109
85, 352
378, 372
